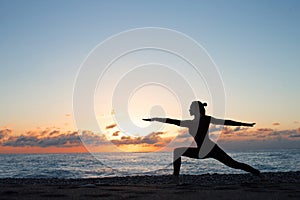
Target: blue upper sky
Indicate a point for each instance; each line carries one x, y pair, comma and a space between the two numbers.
255, 44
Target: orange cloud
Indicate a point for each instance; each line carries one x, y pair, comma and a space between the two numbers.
63, 140
116, 133
276, 124
227, 130
295, 136
5, 133
91, 139
232, 134
40, 141
153, 139
52, 140
110, 126
264, 129
183, 133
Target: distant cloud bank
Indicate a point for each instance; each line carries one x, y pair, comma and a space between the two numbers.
233, 136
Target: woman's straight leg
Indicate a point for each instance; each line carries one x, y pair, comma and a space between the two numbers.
218, 154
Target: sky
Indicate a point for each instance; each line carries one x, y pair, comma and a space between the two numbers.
254, 44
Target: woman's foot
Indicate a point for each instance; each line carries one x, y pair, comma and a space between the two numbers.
263, 177
175, 180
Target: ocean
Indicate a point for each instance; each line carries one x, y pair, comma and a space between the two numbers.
86, 165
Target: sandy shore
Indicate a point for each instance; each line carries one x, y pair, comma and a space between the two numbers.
280, 185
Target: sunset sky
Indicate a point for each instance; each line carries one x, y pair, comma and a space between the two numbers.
255, 45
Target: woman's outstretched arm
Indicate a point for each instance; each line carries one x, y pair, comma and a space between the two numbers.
165, 120
228, 122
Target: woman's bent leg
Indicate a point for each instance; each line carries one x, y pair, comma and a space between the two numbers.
182, 151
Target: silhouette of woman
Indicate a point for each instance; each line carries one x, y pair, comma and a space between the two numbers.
198, 128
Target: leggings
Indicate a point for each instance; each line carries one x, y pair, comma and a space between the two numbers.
216, 153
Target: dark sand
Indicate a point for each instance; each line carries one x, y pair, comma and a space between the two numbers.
280, 185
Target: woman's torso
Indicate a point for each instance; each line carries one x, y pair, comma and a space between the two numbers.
199, 129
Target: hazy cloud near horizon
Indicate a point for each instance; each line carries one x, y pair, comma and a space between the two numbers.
43, 138
276, 124
56, 138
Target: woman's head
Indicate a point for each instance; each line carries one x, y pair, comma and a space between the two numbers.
197, 108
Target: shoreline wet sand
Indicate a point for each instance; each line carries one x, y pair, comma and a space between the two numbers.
275, 185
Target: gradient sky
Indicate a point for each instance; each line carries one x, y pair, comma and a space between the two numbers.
255, 45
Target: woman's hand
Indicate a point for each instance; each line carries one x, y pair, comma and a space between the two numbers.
164, 120
154, 119
149, 119
250, 124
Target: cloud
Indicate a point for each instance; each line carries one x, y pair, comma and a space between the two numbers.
232, 134
183, 133
53, 137
227, 130
53, 133
116, 133
276, 124
68, 139
110, 126
151, 139
50, 138
245, 133
283, 132
154, 138
264, 129
64, 140
234, 130
214, 128
56, 138
295, 136
91, 139
5, 133
270, 143
274, 133
260, 136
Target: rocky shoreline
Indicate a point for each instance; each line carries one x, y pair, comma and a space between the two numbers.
274, 185
204, 179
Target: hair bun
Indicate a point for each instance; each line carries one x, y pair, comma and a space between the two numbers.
204, 104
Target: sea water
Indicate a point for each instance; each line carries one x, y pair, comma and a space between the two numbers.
86, 165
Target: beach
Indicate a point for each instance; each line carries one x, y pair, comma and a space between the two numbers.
274, 185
